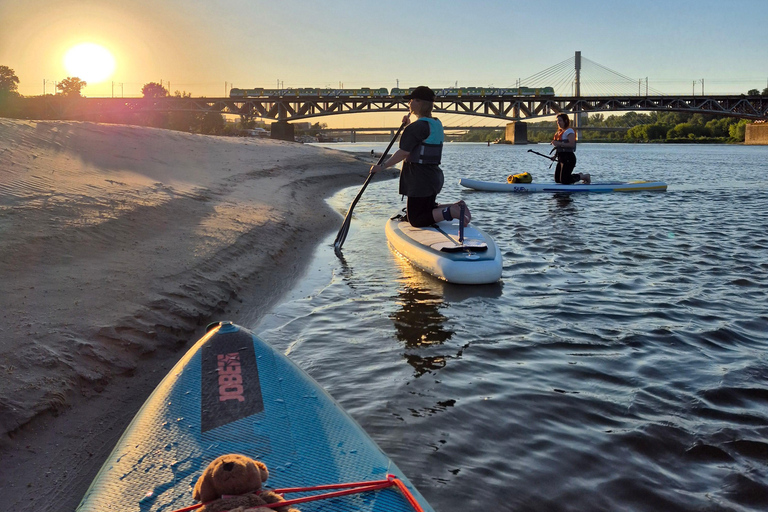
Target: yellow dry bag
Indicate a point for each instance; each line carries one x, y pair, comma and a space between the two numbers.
523, 177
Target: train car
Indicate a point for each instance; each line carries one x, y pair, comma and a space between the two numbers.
399, 93
527, 91
347, 92
304, 92
245, 93
475, 91
367, 92
509, 91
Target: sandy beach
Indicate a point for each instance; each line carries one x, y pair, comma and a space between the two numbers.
118, 245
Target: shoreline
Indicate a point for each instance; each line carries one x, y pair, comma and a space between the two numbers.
119, 245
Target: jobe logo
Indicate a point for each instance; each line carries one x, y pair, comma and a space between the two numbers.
230, 377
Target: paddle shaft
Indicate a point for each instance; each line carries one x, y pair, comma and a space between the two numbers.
342, 235
542, 154
550, 157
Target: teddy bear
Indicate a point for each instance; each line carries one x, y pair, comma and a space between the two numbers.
233, 482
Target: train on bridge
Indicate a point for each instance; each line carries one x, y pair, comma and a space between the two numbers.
394, 93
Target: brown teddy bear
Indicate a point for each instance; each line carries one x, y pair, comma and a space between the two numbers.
233, 482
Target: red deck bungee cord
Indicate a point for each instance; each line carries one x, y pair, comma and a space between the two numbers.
347, 488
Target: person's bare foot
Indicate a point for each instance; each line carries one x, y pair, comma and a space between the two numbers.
456, 212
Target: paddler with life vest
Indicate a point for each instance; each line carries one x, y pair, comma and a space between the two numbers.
421, 178
564, 141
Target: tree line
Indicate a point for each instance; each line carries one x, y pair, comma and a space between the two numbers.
669, 127
14, 105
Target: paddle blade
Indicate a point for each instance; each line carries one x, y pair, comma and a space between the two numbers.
341, 236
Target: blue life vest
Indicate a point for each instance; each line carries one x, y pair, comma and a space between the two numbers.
431, 149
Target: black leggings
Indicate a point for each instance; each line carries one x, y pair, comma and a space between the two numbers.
419, 210
566, 162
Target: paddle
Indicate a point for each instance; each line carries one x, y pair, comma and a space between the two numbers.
342, 235
550, 157
542, 154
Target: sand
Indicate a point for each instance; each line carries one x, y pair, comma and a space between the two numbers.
118, 245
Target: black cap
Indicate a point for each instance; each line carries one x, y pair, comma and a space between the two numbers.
422, 92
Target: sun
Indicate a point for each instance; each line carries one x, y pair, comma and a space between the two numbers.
89, 62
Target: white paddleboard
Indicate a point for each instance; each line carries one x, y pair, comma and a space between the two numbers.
614, 186
438, 251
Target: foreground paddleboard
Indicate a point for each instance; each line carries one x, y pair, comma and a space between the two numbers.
437, 251
233, 393
616, 186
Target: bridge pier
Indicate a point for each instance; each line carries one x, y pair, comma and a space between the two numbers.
756, 134
516, 132
283, 131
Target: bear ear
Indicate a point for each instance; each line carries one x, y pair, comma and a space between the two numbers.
262, 470
205, 491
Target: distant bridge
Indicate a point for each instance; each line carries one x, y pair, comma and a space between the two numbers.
286, 105
287, 109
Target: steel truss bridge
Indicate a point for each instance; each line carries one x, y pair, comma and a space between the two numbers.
506, 108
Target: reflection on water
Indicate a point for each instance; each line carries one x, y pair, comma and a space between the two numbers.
562, 200
418, 321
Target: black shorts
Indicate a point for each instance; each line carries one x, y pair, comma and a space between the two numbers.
419, 211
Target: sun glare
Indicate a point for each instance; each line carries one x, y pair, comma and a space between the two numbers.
89, 62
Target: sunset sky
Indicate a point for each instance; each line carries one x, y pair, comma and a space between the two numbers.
206, 46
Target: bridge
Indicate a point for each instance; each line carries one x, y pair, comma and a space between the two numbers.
284, 106
501, 108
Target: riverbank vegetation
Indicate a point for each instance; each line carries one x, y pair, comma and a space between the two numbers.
667, 127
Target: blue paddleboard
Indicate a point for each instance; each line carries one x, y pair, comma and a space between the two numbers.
234, 393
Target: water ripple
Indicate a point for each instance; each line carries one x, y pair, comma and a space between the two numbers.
621, 364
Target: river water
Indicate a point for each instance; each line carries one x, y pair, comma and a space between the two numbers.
620, 364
